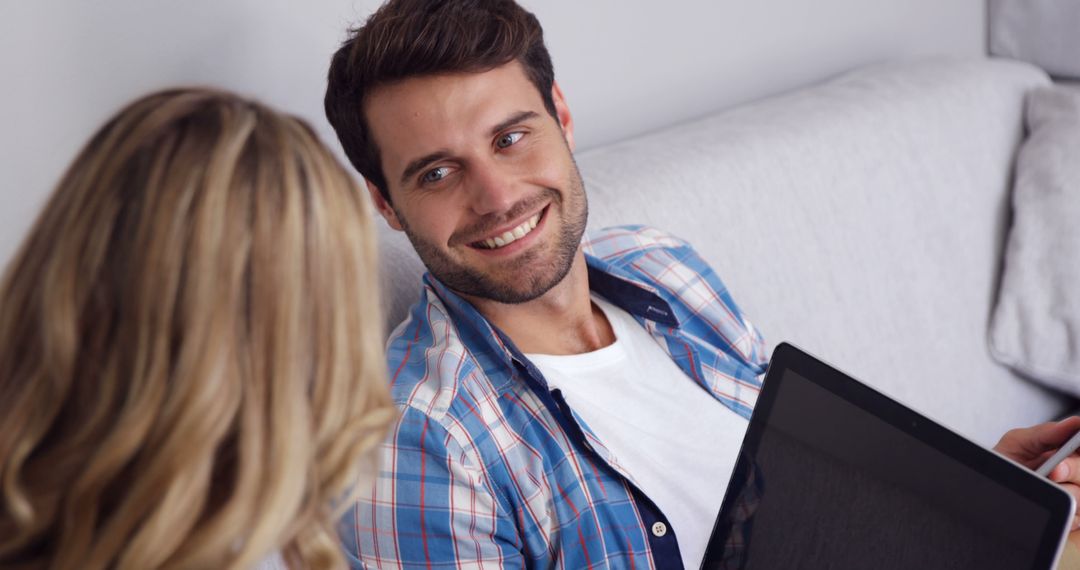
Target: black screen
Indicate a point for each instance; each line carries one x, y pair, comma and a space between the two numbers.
824, 484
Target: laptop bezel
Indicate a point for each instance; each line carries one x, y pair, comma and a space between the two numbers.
1058, 503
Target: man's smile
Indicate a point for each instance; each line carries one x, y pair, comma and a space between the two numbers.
513, 235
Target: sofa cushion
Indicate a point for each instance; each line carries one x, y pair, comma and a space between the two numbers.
1043, 32
1036, 327
863, 219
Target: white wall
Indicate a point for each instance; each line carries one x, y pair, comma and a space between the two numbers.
626, 66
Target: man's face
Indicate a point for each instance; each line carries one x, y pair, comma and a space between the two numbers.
481, 179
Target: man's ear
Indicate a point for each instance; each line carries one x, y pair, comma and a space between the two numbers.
383, 206
562, 113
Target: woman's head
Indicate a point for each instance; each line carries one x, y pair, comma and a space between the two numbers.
190, 345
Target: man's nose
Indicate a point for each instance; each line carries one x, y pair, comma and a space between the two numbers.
492, 189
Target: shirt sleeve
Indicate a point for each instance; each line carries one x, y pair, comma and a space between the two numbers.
741, 339
429, 507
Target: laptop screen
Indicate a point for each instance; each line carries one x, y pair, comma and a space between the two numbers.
822, 482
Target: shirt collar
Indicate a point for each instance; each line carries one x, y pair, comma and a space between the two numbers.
629, 292
612, 282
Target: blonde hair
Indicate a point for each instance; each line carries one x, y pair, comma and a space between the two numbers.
191, 373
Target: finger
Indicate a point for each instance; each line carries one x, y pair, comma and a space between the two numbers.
1068, 471
1028, 445
1036, 461
1073, 490
1048, 436
1023, 444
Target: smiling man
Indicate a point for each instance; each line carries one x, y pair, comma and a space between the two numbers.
564, 403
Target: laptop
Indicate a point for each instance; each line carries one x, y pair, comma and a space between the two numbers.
833, 474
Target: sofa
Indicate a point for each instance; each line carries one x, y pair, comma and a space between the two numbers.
863, 219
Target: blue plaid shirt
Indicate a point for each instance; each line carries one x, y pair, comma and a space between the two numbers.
489, 468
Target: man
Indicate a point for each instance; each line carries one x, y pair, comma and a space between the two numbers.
563, 403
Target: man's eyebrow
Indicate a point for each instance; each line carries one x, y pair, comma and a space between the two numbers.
419, 164
516, 118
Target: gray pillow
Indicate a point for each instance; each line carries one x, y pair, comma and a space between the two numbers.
1036, 324
1043, 32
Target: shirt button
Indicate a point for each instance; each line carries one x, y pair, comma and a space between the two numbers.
659, 529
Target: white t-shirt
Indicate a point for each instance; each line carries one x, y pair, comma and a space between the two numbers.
678, 443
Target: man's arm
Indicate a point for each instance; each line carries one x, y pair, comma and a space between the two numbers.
428, 507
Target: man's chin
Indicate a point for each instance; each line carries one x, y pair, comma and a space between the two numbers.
520, 280
509, 291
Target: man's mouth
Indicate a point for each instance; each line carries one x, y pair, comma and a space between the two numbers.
510, 236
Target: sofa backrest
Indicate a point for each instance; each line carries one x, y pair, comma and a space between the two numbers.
862, 219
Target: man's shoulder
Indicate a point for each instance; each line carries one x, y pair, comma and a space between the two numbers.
428, 359
620, 243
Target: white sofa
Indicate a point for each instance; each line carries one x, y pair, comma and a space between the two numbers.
862, 219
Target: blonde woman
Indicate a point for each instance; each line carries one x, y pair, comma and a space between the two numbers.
191, 372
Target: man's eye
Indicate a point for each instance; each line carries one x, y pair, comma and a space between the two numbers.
435, 175
508, 139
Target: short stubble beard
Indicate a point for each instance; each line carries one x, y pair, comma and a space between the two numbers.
525, 280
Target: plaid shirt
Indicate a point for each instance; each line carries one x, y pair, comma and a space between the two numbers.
489, 468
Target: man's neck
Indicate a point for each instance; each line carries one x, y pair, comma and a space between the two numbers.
562, 321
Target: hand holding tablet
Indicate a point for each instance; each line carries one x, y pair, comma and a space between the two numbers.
1055, 459
1030, 447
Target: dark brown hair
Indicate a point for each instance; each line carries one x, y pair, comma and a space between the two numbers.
410, 38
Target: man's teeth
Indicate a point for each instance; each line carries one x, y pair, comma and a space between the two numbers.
512, 235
